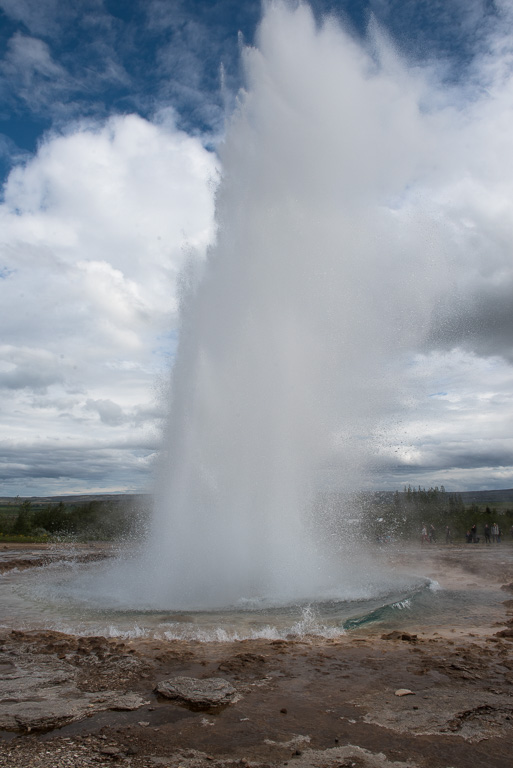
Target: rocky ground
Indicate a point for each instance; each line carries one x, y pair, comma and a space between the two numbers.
425, 697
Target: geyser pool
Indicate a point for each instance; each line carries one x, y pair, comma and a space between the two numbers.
58, 597
293, 333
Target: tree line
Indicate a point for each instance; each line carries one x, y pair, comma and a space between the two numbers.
97, 519
402, 514
380, 516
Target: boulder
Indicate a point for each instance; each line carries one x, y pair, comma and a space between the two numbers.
198, 694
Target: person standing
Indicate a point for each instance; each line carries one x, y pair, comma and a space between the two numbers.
487, 533
495, 533
473, 531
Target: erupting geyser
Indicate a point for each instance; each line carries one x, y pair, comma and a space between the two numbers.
321, 279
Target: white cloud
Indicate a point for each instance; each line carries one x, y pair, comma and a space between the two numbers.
28, 63
109, 412
39, 17
29, 55
94, 231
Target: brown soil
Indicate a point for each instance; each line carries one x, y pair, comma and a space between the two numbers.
310, 702
22, 556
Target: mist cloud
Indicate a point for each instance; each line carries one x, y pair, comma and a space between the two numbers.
415, 171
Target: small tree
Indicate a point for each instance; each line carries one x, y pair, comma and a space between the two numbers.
54, 519
23, 523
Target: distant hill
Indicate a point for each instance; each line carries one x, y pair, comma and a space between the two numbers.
488, 498
83, 498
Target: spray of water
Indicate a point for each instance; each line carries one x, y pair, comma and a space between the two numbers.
321, 280
290, 336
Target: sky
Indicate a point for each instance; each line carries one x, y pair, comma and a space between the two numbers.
112, 122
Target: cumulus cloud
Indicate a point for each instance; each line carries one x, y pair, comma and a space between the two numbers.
94, 231
33, 369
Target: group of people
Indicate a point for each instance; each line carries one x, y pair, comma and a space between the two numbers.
428, 535
492, 534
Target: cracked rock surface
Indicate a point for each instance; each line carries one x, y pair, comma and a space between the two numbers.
40, 692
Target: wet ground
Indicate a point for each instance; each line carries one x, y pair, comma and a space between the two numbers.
410, 693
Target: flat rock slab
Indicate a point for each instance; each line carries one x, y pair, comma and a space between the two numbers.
198, 694
41, 694
451, 711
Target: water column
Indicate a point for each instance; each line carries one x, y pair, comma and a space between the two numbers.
292, 330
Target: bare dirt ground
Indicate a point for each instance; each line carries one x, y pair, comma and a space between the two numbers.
79, 702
